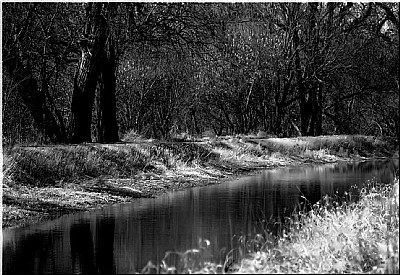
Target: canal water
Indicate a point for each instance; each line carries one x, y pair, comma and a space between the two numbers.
123, 238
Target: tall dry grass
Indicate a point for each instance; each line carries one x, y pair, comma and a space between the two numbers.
44, 166
339, 145
47, 165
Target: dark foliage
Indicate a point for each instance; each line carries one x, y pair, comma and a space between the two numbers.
77, 72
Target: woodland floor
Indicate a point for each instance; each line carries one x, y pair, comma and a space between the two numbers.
45, 182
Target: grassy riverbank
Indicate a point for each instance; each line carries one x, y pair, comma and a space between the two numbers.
42, 182
360, 237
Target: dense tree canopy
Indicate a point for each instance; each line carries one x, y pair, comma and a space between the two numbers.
81, 72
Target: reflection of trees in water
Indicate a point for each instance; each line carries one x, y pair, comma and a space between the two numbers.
309, 194
35, 255
105, 245
82, 249
89, 257
367, 166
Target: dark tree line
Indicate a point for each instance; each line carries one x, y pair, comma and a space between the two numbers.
82, 72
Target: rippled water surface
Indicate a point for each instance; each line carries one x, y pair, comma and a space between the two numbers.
123, 238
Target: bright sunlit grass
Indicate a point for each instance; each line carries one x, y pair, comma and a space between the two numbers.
359, 238
340, 145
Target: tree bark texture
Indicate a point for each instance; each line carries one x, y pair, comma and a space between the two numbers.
98, 63
108, 110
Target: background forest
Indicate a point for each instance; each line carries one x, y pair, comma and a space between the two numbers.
79, 72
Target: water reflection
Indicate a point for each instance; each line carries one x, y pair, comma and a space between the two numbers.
122, 238
82, 248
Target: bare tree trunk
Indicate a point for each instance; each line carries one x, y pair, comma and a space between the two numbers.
195, 122
108, 122
83, 98
279, 117
98, 60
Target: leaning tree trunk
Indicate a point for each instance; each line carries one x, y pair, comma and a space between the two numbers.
98, 59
